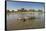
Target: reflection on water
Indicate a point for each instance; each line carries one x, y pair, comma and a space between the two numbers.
13, 17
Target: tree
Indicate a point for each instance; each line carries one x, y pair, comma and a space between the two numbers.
30, 10
39, 10
12, 10
8, 11
22, 9
25, 10
33, 10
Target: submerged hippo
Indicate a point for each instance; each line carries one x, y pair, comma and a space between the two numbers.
22, 19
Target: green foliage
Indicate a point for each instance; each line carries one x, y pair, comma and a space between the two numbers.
39, 10
8, 11
33, 10
12, 10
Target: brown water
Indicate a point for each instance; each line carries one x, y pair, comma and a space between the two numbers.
12, 18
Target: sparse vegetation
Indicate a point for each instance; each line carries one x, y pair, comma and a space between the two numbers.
22, 10
39, 10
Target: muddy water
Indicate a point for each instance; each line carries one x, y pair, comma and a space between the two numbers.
12, 18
